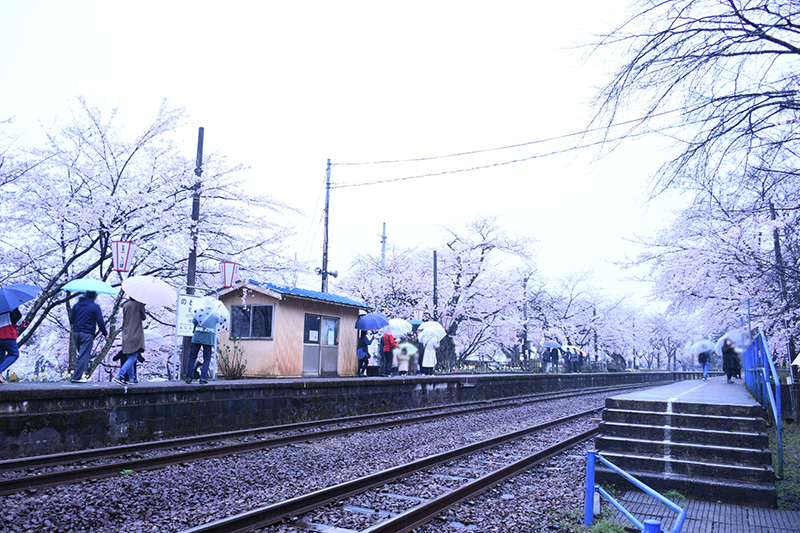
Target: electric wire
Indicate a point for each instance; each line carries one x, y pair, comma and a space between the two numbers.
498, 148
500, 164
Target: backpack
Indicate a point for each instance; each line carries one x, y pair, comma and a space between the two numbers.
702, 358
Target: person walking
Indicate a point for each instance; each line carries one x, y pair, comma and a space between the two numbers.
429, 357
546, 361
729, 359
389, 344
86, 317
204, 338
364, 340
10, 327
133, 317
704, 358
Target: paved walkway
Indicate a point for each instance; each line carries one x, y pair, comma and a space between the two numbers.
707, 517
715, 390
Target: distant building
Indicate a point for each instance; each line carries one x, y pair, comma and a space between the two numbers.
291, 332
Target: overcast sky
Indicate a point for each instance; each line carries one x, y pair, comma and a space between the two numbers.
283, 86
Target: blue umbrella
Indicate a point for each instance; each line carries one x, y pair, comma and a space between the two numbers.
552, 344
371, 322
93, 285
12, 296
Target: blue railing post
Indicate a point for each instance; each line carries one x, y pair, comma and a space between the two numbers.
588, 504
652, 526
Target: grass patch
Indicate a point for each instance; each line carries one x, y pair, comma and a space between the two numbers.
675, 496
789, 486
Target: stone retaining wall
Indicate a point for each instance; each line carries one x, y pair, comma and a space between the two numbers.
40, 418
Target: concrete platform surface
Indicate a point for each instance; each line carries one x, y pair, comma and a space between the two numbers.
707, 517
714, 391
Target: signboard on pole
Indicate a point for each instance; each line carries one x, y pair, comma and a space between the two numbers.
183, 321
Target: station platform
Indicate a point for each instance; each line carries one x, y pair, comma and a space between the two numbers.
708, 517
712, 396
704, 439
42, 418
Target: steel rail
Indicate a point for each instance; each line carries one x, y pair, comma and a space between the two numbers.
13, 485
276, 512
425, 512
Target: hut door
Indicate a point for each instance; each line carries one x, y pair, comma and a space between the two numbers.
329, 347
321, 346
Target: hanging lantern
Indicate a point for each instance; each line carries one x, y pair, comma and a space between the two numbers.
228, 270
122, 253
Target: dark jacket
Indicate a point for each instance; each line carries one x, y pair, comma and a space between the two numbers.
133, 317
730, 361
86, 317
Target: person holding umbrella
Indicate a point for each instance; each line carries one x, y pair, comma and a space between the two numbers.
204, 338
364, 340
133, 317
10, 326
86, 317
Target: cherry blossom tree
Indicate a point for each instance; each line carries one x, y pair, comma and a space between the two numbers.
94, 182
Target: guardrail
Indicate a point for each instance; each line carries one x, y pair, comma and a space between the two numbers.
648, 526
758, 369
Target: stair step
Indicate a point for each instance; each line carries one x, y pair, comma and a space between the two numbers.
684, 420
692, 452
728, 491
692, 469
738, 439
709, 409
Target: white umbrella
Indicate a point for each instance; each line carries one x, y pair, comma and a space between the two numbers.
210, 312
703, 346
399, 327
429, 324
739, 337
431, 333
149, 290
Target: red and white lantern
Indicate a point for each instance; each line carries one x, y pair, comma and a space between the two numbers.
512, 334
498, 330
471, 330
417, 313
228, 269
122, 253
447, 321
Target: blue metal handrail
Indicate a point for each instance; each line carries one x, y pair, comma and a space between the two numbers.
759, 368
648, 526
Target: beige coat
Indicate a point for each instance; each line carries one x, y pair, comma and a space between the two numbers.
132, 327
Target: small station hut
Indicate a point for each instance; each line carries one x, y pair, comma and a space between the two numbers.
291, 332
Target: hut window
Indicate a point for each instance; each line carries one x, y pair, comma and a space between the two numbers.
251, 322
321, 330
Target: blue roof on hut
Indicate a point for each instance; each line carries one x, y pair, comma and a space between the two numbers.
310, 295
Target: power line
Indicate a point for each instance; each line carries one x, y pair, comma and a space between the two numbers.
539, 141
492, 165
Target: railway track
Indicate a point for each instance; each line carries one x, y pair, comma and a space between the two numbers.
426, 508
299, 432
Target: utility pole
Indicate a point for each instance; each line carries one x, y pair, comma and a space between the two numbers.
435, 288
191, 270
324, 272
383, 248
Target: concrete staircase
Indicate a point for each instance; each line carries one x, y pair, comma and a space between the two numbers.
711, 452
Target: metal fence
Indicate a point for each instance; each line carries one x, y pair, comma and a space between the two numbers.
763, 382
648, 526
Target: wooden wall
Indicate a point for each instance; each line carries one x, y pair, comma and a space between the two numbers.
283, 355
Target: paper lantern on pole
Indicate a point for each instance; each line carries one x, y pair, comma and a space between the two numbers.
122, 253
417, 314
229, 270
